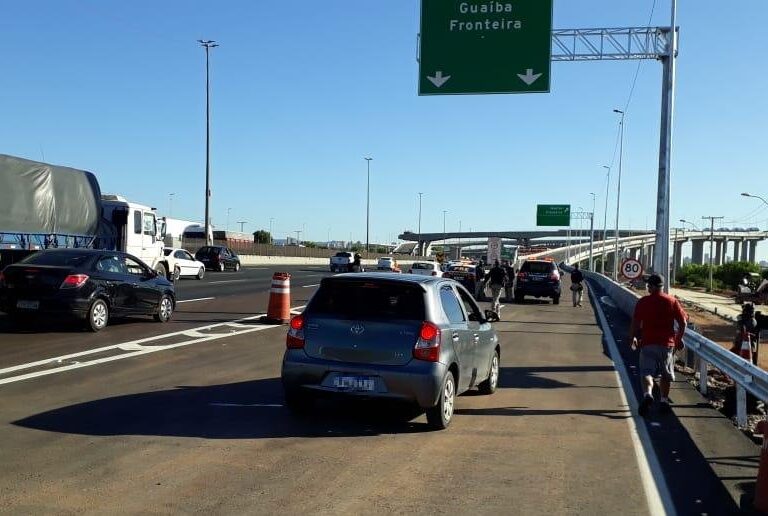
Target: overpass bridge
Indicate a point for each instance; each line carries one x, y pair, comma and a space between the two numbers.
739, 245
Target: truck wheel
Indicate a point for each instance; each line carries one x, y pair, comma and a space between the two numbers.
98, 316
162, 270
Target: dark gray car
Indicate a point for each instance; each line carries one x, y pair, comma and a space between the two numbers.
417, 339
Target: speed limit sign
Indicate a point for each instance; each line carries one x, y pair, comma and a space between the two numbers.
631, 269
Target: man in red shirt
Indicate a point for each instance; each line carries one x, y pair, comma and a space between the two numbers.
655, 332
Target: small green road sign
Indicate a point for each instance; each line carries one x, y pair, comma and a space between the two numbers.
481, 46
553, 215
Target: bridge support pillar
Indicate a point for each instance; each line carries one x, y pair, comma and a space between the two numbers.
697, 255
678, 256
745, 250
718, 252
735, 250
753, 251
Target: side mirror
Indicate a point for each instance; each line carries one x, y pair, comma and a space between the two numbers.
491, 316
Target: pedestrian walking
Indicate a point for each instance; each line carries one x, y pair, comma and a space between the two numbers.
658, 326
577, 285
496, 278
509, 285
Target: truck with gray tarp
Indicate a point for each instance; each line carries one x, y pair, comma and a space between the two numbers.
45, 206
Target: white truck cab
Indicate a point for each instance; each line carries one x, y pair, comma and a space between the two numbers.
139, 230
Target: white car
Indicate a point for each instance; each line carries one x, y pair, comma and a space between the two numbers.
427, 269
181, 263
387, 263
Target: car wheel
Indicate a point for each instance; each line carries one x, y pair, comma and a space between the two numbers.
98, 316
555, 300
298, 402
176, 274
237, 266
221, 266
161, 270
164, 309
201, 273
490, 384
440, 416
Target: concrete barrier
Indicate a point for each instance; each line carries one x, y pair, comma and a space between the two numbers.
246, 259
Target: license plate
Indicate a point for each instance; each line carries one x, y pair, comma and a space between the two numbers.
354, 383
28, 305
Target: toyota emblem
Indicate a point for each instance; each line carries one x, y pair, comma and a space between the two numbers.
357, 329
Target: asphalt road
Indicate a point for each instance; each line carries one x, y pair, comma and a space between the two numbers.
195, 423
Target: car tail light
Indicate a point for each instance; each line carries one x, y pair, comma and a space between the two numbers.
295, 339
554, 276
434, 273
74, 281
428, 346
522, 275
2, 280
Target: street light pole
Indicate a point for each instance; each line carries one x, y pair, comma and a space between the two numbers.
170, 204
419, 245
368, 208
228, 210
618, 198
444, 243
242, 224
207, 44
592, 234
605, 217
271, 240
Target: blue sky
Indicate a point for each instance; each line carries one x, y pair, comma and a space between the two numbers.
302, 90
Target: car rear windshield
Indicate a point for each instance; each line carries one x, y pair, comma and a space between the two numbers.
537, 267
369, 300
208, 251
424, 266
57, 258
343, 255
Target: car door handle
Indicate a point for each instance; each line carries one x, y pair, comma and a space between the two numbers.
455, 337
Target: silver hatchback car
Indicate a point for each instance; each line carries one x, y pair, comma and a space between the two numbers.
417, 339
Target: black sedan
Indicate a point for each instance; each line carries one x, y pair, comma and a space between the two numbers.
88, 284
218, 258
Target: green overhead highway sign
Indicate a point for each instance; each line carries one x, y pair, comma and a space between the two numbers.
553, 215
476, 46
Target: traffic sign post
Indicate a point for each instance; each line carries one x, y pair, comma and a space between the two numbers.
631, 269
480, 46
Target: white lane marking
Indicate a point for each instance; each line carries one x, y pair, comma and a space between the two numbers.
272, 405
134, 348
193, 300
310, 286
652, 476
228, 281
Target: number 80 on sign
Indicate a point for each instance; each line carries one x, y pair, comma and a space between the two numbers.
631, 269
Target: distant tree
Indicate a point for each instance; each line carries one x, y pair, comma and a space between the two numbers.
262, 237
307, 243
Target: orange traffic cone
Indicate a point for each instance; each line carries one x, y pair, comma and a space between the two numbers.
746, 346
279, 311
761, 487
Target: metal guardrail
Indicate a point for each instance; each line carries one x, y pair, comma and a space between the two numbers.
747, 376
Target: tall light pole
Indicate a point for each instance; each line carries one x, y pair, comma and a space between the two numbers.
368, 207
170, 204
271, 240
419, 245
208, 44
618, 198
756, 197
592, 233
242, 224
605, 217
444, 242
691, 223
228, 212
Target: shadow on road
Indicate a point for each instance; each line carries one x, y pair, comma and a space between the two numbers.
245, 410
525, 411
